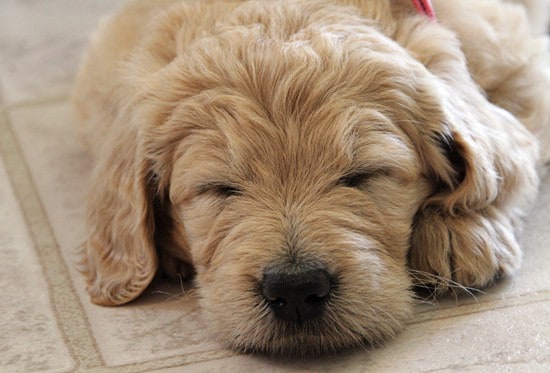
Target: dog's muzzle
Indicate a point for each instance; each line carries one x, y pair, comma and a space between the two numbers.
296, 294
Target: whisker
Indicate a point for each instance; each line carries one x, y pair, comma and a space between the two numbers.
182, 295
440, 285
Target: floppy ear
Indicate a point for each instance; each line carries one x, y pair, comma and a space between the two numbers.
120, 258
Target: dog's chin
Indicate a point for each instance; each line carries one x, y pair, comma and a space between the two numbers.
355, 315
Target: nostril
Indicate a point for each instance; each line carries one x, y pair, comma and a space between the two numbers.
276, 304
272, 292
320, 288
314, 300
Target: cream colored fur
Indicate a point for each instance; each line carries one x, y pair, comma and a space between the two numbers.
225, 133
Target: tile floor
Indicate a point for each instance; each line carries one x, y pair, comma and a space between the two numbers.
46, 320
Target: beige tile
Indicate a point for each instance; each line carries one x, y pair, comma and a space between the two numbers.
41, 43
150, 329
30, 338
497, 339
158, 325
493, 340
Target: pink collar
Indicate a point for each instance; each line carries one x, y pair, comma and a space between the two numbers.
425, 7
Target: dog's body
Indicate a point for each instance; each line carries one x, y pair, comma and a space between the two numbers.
307, 158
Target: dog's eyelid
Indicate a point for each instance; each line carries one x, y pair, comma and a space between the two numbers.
358, 178
220, 189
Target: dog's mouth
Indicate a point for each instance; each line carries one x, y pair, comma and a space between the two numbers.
305, 314
299, 336
306, 308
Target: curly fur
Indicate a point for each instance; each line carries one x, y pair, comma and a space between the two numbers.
223, 132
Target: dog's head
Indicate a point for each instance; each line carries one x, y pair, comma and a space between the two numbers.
287, 170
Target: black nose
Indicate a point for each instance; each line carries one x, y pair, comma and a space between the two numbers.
296, 294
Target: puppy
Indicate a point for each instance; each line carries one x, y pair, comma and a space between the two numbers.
310, 161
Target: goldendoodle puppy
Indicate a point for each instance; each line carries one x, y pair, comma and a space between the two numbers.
311, 161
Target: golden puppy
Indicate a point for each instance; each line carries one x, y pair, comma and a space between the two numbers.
310, 161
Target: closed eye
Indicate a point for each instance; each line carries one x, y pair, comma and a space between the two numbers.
220, 189
360, 178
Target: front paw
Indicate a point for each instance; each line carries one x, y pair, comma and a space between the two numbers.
469, 249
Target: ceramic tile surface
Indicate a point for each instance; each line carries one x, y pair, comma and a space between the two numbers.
47, 322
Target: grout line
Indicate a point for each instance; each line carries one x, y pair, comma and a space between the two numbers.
485, 306
71, 318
